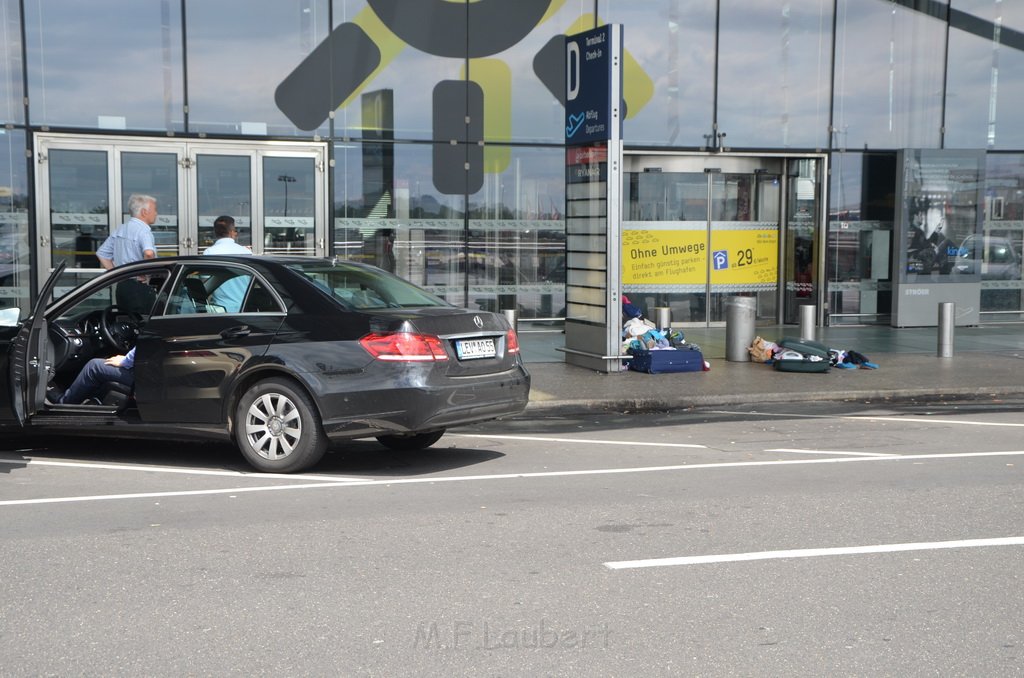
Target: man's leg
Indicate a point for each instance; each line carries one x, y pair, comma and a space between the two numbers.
88, 382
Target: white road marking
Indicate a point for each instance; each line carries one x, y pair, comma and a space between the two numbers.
929, 420
631, 443
152, 495
171, 469
855, 454
814, 553
915, 418
916, 458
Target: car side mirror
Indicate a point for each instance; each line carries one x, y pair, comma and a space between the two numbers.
9, 317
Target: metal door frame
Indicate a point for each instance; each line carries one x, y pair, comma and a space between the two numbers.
185, 150
774, 164
257, 152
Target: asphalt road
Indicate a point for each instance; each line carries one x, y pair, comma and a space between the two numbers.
822, 539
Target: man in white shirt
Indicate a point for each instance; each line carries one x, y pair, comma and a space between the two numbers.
230, 293
225, 232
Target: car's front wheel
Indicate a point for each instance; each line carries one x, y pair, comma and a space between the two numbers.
410, 443
277, 427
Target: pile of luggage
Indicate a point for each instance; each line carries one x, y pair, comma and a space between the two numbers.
656, 351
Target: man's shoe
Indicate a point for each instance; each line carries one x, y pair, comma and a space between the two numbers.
53, 395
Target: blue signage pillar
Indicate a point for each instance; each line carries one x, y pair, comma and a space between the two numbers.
593, 198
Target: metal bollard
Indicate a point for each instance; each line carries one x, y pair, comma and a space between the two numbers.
947, 319
512, 316
807, 322
663, 317
740, 313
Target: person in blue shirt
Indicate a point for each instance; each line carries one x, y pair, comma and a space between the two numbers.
225, 232
132, 241
229, 294
99, 371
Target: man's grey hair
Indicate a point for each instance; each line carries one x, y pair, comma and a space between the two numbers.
137, 202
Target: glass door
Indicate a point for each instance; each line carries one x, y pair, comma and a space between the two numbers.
276, 192
290, 204
159, 173
74, 214
223, 187
699, 229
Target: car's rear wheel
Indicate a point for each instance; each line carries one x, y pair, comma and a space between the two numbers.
410, 443
277, 427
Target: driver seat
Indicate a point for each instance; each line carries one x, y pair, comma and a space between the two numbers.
115, 394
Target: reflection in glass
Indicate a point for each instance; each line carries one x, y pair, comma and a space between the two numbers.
420, 228
79, 214
231, 47
515, 255
512, 254
777, 53
999, 251
859, 246
985, 83
223, 187
801, 275
673, 43
888, 76
289, 206
15, 270
12, 108
72, 72
154, 174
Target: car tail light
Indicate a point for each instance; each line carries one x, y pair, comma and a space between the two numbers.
512, 343
404, 347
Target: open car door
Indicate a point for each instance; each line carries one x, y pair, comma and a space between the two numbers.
29, 358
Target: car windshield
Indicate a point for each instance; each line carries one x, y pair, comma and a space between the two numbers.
363, 288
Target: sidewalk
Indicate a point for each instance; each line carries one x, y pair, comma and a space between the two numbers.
986, 362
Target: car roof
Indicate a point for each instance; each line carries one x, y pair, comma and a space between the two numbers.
257, 261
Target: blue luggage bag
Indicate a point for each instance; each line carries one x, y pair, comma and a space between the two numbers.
667, 360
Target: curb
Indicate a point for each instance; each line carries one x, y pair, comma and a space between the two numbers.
651, 405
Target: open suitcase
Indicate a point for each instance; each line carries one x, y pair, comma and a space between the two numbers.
801, 355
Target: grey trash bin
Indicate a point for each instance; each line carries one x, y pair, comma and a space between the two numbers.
740, 314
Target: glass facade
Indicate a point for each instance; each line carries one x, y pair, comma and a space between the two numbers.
15, 259
985, 81
12, 109
778, 54
888, 76
669, 71
105, 65
442, 123
236, 55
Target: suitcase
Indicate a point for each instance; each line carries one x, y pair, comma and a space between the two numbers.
801, 355
667, 360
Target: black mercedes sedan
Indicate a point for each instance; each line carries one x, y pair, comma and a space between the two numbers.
279, 354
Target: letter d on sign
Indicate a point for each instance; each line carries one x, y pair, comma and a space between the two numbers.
572, 71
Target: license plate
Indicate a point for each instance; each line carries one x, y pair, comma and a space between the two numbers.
470, 349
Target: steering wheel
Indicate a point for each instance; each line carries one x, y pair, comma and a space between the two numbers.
120, 328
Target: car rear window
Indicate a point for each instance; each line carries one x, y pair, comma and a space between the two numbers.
364, 288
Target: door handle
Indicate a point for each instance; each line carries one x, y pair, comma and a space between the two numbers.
236, 332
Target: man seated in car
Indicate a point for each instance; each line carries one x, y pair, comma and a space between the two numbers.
230, 293
96, 373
